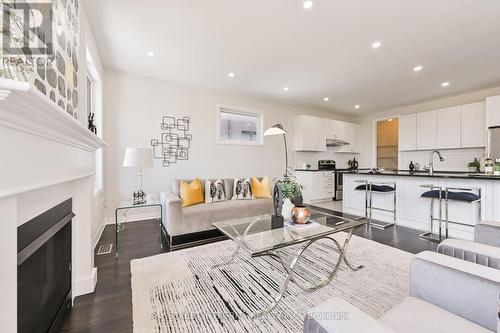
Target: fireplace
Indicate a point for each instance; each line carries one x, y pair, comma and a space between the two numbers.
44, 270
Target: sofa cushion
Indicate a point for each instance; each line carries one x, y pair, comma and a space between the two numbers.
215, 191
487, 232
200, 217
478, 253
416, 316
242, 189
191, 193
176, 185
261, 189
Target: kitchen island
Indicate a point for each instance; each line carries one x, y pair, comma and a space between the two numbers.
414, 211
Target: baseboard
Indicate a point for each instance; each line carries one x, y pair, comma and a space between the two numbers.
99, 234
85, 285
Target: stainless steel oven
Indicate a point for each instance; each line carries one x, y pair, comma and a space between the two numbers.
338, 177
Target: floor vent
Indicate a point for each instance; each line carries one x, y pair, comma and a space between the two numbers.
104, 249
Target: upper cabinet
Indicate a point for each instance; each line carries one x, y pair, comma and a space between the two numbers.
350, 135
460, 126
449, 128
427, 130
408, 132
309, 133
493, 111
473, 125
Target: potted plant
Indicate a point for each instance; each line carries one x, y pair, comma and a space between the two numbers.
291, 193
474, 165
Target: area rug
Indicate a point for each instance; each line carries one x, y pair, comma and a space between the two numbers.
182, 292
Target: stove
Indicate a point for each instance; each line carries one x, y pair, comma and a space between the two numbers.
326, 165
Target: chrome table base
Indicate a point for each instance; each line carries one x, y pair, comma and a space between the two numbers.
290, 269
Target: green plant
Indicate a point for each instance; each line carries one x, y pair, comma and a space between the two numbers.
474, 164
290, 188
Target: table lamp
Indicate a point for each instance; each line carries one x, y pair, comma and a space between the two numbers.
140, 158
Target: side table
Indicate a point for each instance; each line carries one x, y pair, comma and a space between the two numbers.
127, 205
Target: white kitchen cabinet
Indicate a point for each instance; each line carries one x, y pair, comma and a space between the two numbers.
408, 132
309, 133
351, 134
493, 111
449, 128
337, 130
317, 185
427, 130
473, 125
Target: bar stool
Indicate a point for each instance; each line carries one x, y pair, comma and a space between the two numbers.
444, 195
382, 188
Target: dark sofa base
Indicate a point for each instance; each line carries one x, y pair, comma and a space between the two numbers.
189, 240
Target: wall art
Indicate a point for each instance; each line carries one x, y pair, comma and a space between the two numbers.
174, 142
55, 75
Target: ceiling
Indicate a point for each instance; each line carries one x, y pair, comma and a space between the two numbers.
325, 51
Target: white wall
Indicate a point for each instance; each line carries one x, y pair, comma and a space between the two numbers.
312, 158
133, 109
367, 122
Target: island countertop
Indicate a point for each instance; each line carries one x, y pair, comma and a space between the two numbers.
436, 174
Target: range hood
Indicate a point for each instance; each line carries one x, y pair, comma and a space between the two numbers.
336, 142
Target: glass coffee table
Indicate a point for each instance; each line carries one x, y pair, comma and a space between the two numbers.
256, 236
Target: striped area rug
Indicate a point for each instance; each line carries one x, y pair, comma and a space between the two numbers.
182, 292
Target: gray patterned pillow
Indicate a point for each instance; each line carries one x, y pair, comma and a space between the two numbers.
242, 189
214, 191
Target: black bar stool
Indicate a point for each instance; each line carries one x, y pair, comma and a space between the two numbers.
444, 195
381, 188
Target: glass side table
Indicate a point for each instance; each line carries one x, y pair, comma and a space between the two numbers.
127, 205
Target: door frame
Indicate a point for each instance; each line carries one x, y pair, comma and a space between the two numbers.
374, 138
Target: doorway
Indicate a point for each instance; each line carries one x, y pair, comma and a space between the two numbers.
387, 143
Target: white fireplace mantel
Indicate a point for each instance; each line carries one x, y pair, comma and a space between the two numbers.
24, 108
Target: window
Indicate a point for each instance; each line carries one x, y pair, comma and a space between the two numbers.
239, 126
93, 87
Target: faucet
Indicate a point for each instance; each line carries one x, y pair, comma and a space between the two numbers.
430, 169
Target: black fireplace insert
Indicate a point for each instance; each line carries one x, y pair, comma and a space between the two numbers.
44, 270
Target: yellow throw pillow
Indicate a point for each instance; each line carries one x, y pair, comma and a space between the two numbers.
261, 189
191, 194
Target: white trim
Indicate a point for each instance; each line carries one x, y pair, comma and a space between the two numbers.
99, 234
24, 108
85, 285
242, 111
374, 138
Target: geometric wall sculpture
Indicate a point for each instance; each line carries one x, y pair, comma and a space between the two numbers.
174, 142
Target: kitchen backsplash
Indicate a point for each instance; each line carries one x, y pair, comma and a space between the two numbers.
312, 158
454, 159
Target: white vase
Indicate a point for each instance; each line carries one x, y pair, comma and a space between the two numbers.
286, 210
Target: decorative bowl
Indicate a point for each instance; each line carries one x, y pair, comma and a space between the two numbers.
301, 214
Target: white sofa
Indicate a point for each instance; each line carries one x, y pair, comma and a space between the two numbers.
446, 295
185, 226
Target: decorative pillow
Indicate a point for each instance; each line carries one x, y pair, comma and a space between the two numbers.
242, 189
261, 189
191, 194
214, 191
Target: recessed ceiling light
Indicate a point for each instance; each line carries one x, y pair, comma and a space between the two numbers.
230, 74
307, 4
445, 84
326, 99
417, 68
376, 44
357, 106
151, 54
285, 88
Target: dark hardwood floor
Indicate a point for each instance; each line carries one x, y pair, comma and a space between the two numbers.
109, 308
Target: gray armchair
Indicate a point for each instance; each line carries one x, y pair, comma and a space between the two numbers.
446, 295
484, 250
